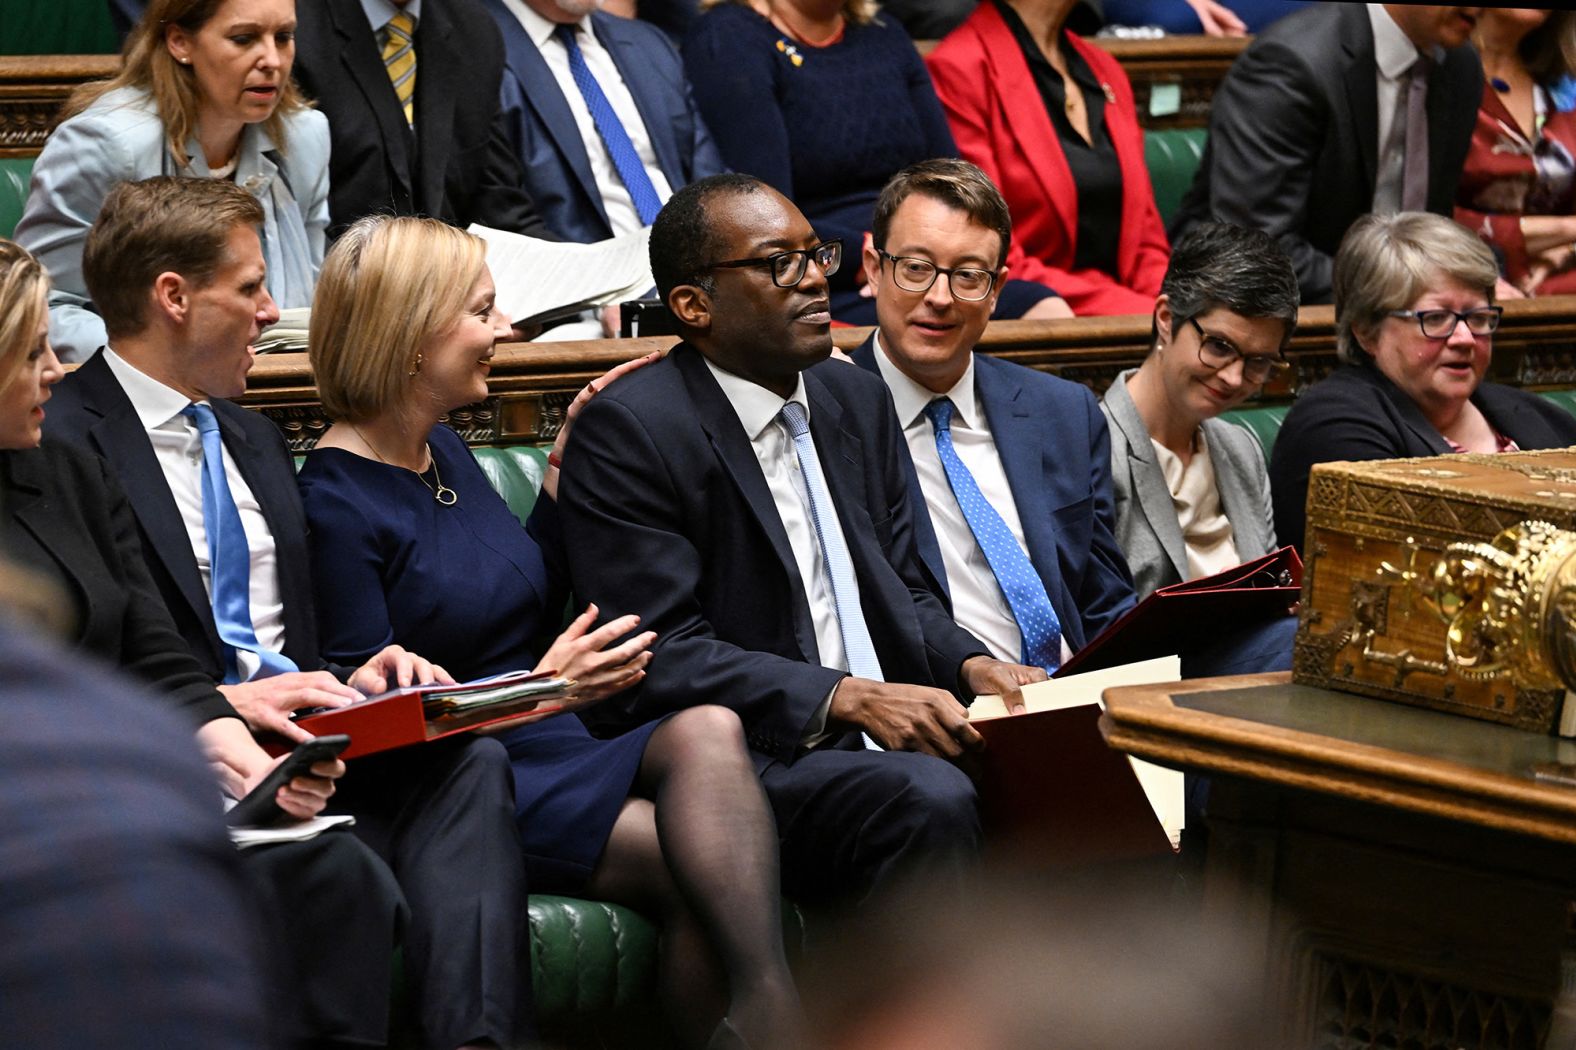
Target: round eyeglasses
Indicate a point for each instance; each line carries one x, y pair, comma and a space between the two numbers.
967, 284
1215, 352
788, 268
1441, 324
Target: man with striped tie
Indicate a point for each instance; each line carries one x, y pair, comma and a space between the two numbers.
746, 498
410, 89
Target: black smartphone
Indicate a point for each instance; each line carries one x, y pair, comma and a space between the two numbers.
259, 808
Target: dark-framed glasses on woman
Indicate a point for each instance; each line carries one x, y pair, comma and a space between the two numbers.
1441, 324
1217, 353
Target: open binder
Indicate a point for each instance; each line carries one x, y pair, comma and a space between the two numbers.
418, 713
1178, 618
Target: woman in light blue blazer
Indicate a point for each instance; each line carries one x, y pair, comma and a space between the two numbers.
1192, 492
204, 90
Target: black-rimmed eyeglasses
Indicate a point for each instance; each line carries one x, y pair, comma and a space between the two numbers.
788, 268
967, 284
1441, 324
1215, 352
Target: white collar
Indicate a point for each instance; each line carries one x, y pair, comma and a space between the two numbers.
910, 398
1394, 51
155, 403
540, 29
756, 406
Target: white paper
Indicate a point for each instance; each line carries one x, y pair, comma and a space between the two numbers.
293, 831
1163, 787
542, 279
288, 334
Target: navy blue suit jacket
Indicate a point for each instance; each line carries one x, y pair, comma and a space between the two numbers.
90, 409
670, 517
543, 133
1056, 451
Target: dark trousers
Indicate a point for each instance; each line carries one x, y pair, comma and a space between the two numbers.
851, 822
442, 816
331, 913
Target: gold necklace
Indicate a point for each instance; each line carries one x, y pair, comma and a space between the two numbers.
443, 494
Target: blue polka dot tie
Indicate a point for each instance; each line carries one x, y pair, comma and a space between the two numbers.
1025, 592
229, 557
611, 131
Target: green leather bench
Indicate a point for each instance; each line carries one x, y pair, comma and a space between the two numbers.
1172, 156
15, 174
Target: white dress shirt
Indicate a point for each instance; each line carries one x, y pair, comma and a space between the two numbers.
616, 201
758, 410
978, 604
1394, 55
178, 447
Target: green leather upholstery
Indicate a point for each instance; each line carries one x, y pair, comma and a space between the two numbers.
1566, 399
1262, 421
516, 471
1172, 157
61, 27
15, 174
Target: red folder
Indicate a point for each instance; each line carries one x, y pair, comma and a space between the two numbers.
398, 719
1182, 616
1054, 793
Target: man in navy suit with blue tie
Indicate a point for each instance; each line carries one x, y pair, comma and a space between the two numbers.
600, 115
745, 497
1009, 468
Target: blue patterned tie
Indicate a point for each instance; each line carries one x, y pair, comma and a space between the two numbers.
611, 130
229, 558
1031, 606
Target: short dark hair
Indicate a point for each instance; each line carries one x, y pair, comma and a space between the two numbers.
683, 240
955, 183
1222, 265
166, 224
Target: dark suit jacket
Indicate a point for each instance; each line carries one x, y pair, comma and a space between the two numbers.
1356, 413
1294, 137
670, 517
544, 136
457, 166
89, 408
65, 515
1055, 449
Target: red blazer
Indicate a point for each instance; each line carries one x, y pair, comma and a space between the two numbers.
1000, 123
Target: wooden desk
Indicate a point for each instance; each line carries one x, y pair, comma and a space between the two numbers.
1409, 881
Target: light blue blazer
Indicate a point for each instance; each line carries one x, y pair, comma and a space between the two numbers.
119, 138
1146, 518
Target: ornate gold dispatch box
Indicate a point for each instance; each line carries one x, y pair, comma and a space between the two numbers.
1375, 532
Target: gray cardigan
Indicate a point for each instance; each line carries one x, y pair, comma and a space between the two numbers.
1146, 519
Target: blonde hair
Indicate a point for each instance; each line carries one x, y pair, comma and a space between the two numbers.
857, 12
146, 63
387, 286
1388, 262
24, 303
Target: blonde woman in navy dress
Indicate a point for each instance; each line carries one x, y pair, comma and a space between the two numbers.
411, 543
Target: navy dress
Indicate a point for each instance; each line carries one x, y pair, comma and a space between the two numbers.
467, 587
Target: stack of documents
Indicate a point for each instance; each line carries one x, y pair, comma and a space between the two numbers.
452, 701
288, 334
541, 280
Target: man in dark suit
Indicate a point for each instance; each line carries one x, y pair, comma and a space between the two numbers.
450, 158
179, 266
746, 499
1320, 121
577, 181
1034, 446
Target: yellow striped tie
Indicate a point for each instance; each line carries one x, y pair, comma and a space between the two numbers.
399, 58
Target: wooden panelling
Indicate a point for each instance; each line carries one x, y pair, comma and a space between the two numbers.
32, 90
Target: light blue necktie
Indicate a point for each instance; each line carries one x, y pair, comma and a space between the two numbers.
229, 557
611, 130
857, 646
1031, 606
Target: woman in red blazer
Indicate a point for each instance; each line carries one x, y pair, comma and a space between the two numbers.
1019, 91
